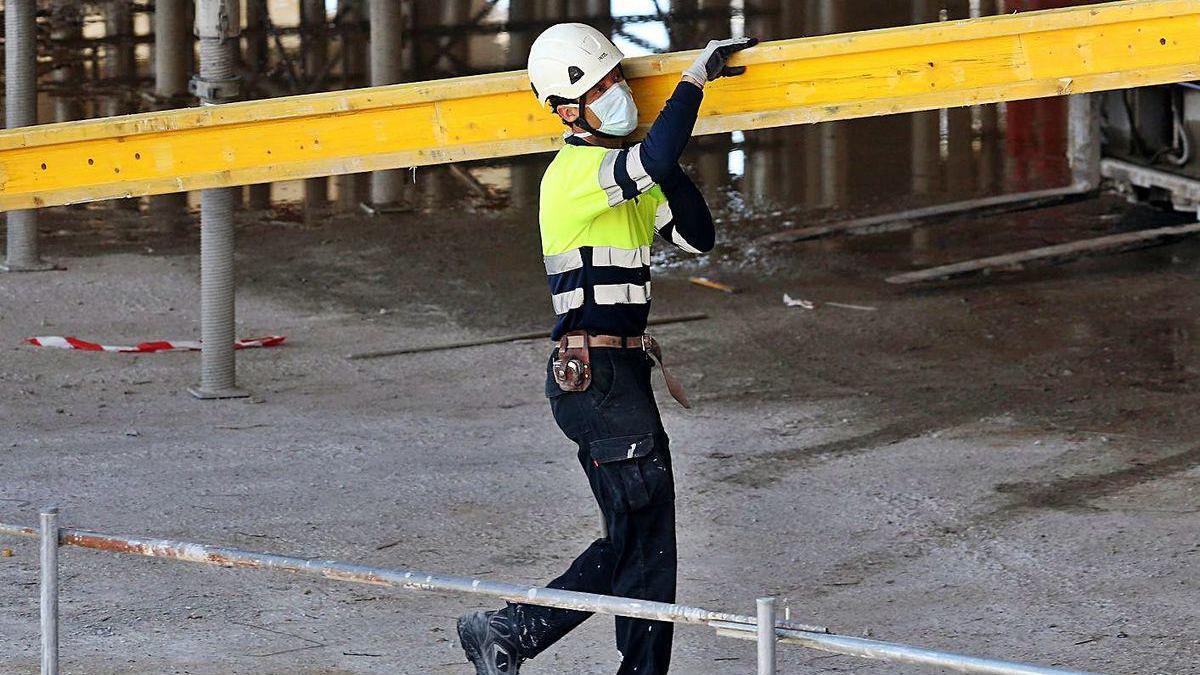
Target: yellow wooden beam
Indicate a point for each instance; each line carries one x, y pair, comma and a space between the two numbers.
1055, 52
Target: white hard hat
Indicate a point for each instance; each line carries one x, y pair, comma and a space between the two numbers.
569, 59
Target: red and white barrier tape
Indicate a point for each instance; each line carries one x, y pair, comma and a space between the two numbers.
147, 347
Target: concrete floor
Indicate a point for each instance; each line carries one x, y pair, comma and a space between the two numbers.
1003, 467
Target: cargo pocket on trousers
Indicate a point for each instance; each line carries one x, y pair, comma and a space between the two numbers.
632, 471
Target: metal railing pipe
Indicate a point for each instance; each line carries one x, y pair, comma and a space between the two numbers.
726, 624
898, 653
408, 579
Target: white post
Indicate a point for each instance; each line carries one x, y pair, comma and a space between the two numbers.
48, 586
766, 636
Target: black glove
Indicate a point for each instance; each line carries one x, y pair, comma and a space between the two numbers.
711, 64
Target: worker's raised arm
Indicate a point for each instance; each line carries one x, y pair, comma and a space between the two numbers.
624, 174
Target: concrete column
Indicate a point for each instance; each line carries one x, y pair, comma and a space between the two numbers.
827, 169
173, 49
926, 153
683, 32
66, 26
120, 69
257, 57
524, 173
218, 25
991, 175
120, 59
695, 32
1083, 139
601, 10
173, 55
437, 57
766, 174
20, 98
712, 164
387, 54
715, 27
991, 156
352, 14
315, 49
961, 165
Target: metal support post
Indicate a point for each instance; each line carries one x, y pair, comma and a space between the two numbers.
48, 578
314, 40
766, 636
1083, 144
20, 99
387, 47
218, 26
172, 63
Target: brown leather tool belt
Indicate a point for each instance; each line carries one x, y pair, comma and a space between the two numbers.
573, 368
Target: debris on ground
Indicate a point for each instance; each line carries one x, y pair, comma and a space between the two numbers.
791, 302
715, 285
808, 304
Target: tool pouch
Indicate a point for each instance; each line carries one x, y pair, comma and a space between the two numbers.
573, 367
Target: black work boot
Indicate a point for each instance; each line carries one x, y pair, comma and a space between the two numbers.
490, 643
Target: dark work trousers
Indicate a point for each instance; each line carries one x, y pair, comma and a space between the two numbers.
625, 454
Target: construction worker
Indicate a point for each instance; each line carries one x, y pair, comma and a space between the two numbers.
602, 201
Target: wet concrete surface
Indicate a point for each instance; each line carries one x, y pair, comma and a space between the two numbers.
1002, 465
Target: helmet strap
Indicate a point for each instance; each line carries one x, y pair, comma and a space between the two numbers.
582, 121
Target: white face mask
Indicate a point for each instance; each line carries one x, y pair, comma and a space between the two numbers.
616, 110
